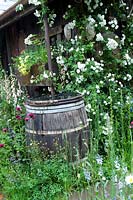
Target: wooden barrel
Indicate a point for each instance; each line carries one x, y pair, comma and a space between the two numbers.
58, 124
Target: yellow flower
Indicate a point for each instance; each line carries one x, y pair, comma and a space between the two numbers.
129, 179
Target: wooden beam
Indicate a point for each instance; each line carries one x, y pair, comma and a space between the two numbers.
47, 44
17, 17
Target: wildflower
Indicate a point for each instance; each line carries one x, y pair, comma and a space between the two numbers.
87, 175
2, 145
31, 115
4, 130
117, 165
99, 159
131, 124
129, 179
27, 119
18, 108
18, 117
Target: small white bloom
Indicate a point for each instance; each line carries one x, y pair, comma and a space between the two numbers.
100, 173
45, 75
89, 120
91, 20
101, 3
37, 14
129, 77
129, 179
60, 60
105, 102
28, 40
101, 82
78, 71
117, 164
87, 175
103, 178
97, 87
19, 7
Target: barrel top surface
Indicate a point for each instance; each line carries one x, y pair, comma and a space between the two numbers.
57, 100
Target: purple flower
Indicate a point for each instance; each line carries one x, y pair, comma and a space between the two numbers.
2, 145
18, 108
27, 119
4, 130
18, 117
31, 115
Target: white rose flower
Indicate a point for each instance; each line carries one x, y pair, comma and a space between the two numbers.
37, 14
81, 66
34, 2
111, 44
99, 37
28, 40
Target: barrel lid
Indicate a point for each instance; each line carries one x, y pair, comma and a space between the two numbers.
58, 99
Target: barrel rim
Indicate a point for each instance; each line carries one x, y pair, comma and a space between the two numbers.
52, 102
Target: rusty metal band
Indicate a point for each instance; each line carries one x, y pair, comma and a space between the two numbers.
56, 132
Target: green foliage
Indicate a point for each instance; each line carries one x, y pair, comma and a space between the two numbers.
97, 63
29, 58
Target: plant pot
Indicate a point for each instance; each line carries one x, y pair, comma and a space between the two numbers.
23, 79
1, 197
